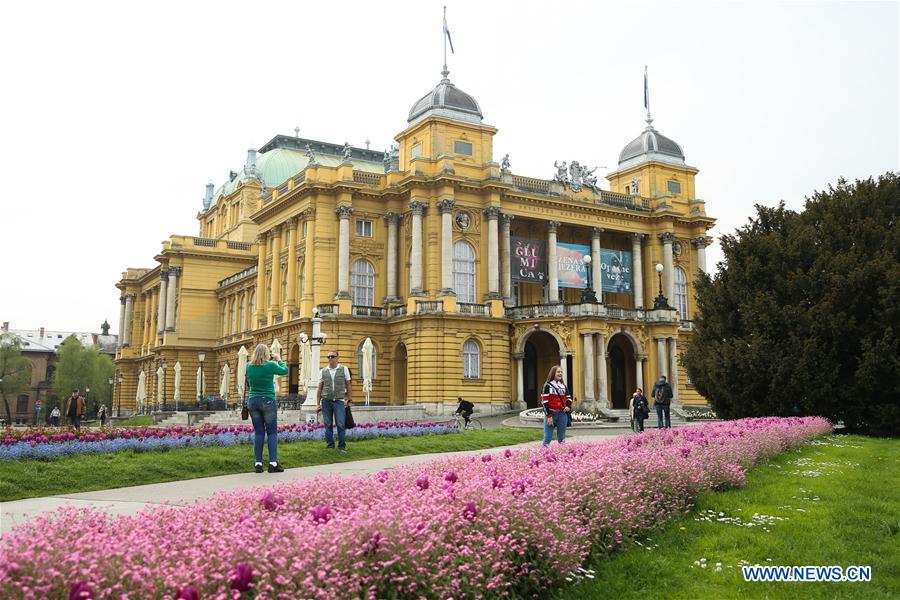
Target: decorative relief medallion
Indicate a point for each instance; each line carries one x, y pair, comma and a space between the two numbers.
677, 249
463, 220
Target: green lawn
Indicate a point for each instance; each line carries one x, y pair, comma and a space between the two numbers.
87, 472
839, 499
137, 421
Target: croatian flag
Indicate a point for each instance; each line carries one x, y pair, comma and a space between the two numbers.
447, 32
646, 89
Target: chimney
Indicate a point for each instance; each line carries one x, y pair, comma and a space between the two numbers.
250, 167
5, 326
42, 333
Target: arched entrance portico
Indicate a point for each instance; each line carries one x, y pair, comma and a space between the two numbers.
540, 351
621, 369
398, 376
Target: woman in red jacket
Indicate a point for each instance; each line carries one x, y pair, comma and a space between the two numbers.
557, 403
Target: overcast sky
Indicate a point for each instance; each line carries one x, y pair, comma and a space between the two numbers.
113, 116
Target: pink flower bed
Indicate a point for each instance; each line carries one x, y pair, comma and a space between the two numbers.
506, 524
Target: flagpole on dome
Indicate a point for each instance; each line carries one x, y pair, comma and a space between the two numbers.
447, 38
647, 99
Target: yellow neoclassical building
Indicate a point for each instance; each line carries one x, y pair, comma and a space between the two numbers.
471, 280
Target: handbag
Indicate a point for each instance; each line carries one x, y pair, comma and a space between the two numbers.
245, 412
349, 423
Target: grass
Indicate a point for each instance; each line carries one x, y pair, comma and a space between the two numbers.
136, 421
88, 472
854, 521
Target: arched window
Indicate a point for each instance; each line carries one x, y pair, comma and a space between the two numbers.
681, 293
243, 312
302, 280
233, 314
359, 353
362, 283
464, 272
225, 318
252, 310
284, 282
471, 360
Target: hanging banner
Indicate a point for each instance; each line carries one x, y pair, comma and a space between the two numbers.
528, 260
615, 271
571, 271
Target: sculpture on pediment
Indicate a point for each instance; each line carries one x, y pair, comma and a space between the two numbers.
575, 176
562, 175
504, 164
310, 156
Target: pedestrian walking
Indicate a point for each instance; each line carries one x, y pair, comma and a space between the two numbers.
640, 409
54, 417
332, 398
557, 403
662, 399
75, 408
101, 415
262, 406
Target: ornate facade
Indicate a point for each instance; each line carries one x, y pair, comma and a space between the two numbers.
415, 248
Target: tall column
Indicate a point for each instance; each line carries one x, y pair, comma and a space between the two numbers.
587, 340
552, 264
669, 267
637, 269
446, 208
505, 249
602, 385
129, 317
700, 243
493, 215
597, 280
639, 371
290, 302
392, 220
170, 298
564, 365
163, 299
520, 380
145, 320
153, 317
673, 370
415, 271
121, 340
309, 260
275, 300
343, 213
661, 358
261, 300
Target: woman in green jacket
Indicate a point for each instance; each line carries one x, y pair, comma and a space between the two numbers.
262, 407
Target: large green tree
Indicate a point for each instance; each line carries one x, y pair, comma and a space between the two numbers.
84, 368
15, 370
803, 315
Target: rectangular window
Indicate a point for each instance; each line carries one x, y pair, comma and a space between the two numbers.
22, 404
305, 223
674, 187
417, 151
628, 189
364, 228
462, 148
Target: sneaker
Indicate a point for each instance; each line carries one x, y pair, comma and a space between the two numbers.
342, 450
258, 468
277, 468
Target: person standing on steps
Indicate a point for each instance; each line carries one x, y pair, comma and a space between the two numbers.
640, 409
333, 397
662, 399
262, 406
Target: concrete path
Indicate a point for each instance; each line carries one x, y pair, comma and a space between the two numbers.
131, 500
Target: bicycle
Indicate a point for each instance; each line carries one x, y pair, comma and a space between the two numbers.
458, 422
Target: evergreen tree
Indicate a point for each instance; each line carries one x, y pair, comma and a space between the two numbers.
802, 316
15, 370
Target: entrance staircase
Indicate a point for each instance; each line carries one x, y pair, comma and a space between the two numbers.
624, 420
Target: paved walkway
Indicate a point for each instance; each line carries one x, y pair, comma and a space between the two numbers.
131, 500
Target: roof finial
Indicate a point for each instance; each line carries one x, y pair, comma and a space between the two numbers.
446, 36
647, 99
297, 130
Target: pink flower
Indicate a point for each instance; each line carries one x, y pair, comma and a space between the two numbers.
81, 591
507, 453
321, 514
242, 577
422, 482
270, 501
486, 458
187, 593
451, 476
470, 511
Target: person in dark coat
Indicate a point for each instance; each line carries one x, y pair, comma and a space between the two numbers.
662, 399
640, 409
75, 409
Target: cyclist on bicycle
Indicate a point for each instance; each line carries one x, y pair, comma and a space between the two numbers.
464, 408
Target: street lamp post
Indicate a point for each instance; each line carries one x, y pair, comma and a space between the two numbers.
660, 301
201, 356
587, 294
120, 380
110, 382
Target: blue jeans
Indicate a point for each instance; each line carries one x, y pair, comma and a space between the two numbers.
75, 422
334, 411
264, 413
660, 411
560, 420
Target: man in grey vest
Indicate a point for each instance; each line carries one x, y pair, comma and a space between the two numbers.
334, 390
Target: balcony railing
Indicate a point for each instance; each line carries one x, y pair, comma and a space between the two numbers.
398, 311
429, 307
204, 242
481, 310
534, 311
686, 325
367, 178
624, 201
239, 245
327, 309
278, 318
530, 184
373, 312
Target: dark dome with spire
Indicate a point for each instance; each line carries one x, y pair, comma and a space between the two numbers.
446, 100
651, 145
